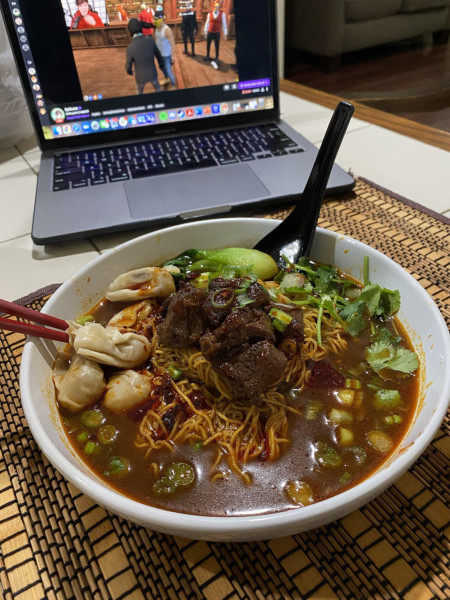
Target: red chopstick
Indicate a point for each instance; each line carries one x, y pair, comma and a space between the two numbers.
33, 315
36, 330
28, 328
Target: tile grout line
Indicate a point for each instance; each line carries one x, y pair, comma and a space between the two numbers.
17, 237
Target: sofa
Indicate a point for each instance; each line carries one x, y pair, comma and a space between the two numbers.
329, 28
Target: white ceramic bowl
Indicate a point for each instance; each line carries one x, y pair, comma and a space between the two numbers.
419, 314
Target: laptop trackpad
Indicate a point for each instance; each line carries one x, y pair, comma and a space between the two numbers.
193, 194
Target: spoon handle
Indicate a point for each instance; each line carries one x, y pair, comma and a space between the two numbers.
296, 233
309, 206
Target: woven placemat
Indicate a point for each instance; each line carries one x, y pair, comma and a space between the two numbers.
56, 543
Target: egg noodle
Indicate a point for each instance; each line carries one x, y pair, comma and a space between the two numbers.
239, 430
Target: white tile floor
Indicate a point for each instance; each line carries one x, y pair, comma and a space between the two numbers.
405, 166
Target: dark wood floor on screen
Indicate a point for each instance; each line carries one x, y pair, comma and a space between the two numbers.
102, 70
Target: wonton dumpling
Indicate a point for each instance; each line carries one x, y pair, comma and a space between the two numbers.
132, 315
80, 385
127, 388
109, 346
148, 282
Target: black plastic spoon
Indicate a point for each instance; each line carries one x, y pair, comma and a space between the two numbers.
293, 237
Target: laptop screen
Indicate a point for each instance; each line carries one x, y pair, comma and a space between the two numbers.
92, 67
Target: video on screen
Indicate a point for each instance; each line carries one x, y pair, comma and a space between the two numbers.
122, 49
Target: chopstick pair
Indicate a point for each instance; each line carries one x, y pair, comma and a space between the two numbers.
58, 326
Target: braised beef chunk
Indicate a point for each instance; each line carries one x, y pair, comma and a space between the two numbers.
295, 328
242, 326
185, 320
259, 295
240, 341
324, 376
221, 299
252, 370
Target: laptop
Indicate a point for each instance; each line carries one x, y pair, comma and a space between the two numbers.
154, 120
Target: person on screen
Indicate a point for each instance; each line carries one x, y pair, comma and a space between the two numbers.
146, 19
85, 18
122, 13
166, 44
141, 53
189, 27
216, 23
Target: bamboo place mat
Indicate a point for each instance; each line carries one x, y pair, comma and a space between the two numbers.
56, 543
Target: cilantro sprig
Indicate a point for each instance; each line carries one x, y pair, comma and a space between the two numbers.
355, 308
384, 355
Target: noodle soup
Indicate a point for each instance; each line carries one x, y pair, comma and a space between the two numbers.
259, 392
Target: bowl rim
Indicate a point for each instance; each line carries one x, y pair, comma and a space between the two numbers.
197, 526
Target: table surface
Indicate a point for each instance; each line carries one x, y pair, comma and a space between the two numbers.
56, 542
374, 148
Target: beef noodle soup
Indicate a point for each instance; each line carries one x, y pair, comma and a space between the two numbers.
219, 385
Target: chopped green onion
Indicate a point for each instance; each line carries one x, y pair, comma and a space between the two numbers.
243, 299
118, 465
85, 319
180, 473
280, 318
346, 396
345, 477
92, 418
197, 446
164, 486
380, 441
387, 399
312, 410
339, 416
174, 372
90, 447
392, 419
247, 281
299, 493
279, 325
106, 434
353, 384
327, 456
359, 397
177, 474
346, 436
82, 437
222, 298
273, 293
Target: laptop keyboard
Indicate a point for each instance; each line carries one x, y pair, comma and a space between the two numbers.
143, 159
